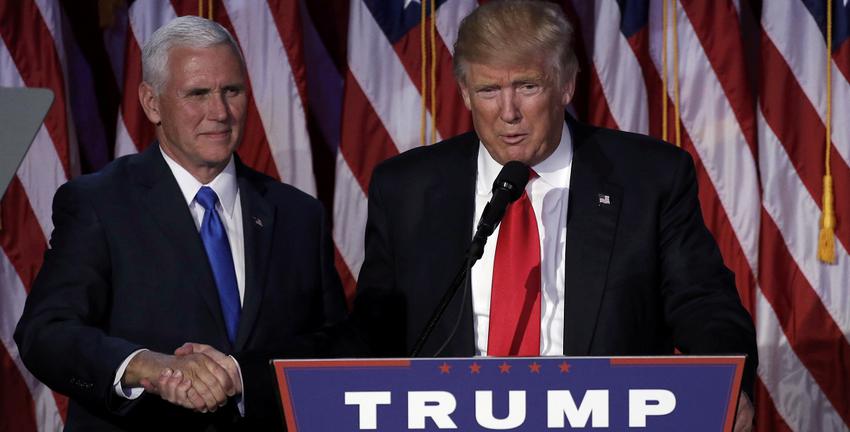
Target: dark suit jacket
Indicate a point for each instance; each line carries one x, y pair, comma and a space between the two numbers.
643, 274
127, 270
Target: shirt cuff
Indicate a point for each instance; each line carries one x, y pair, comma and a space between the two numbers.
132, 392
240, 404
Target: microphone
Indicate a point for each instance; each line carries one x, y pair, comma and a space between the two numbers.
507, 188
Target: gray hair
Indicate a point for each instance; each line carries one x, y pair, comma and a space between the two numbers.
516, 32
189, 31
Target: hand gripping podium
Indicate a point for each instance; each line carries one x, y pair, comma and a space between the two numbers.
676, 393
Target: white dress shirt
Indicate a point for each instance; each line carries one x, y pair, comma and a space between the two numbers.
230, 212
548, 193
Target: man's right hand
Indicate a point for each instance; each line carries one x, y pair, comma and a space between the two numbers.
203, 384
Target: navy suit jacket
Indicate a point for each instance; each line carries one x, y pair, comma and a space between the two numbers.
127, 270
643, 274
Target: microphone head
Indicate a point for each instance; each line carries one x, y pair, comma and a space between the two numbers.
512, 178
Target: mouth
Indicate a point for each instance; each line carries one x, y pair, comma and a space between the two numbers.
513, 138
217, 135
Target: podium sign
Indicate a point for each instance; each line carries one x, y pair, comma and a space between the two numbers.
529, 394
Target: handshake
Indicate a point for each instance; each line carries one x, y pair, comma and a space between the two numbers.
196, 377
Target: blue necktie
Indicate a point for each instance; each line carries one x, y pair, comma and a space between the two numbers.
215, 241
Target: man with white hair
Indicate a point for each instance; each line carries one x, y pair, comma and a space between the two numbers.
179, 243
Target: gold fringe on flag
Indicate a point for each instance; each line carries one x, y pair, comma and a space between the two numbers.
209, 9
676, 105
423, 42
664, 71
433, 70
826, 238
664, 78
423, 45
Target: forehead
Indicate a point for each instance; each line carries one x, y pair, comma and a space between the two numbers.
483, 73
214, 61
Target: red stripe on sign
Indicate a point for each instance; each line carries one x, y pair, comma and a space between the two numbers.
21, 237
16, 403
841, 57
287, 18
32, 47
803, 137
140, 129
349, 283
811, 331
364, 140
716, 25
767, 417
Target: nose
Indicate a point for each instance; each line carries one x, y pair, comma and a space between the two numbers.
509, 109
217, 107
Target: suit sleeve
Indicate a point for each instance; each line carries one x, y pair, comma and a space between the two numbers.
702, 305
59, 334
379, 307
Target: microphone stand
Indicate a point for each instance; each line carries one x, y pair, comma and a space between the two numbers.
458, 281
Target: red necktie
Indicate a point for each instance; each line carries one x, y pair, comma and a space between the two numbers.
515, 297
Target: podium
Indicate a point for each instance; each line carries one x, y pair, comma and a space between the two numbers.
693, 393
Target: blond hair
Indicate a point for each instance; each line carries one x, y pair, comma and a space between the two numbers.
516, 32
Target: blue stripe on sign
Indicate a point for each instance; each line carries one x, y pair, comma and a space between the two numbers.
634, 16
394, 18
840, 19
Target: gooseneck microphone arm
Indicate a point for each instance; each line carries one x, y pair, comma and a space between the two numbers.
508, 187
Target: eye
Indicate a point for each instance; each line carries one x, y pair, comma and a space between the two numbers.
197, 93
529, 88
233, 91
487, 92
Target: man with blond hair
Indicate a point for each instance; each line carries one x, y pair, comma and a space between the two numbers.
605, 253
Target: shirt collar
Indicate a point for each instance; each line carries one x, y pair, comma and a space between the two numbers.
224, 184
554, 170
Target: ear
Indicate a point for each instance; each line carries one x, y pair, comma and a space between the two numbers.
568, 91
464, 92
150, 103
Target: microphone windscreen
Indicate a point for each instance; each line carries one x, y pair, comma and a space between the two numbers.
512, 178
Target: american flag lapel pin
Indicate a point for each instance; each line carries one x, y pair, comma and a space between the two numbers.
604, 199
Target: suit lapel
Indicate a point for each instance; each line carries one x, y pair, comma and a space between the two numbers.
160, 195
592, 216
258, 224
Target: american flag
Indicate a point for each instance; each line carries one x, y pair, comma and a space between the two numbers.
338, 86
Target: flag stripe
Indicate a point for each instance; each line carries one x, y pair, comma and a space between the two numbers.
32, 49
365, 141
275, 94
393, 96
805, 408
21, 238
617, 69
50, 408
724, 52
803, 138
350, 212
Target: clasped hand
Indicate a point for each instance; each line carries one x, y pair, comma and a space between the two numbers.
196, 377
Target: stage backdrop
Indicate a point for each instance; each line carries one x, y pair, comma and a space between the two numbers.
340, 85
